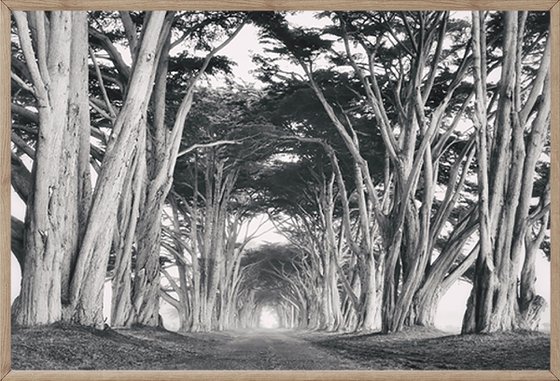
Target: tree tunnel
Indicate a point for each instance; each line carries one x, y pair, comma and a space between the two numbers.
389, 183
270, 294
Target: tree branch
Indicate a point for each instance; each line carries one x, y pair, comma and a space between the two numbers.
30, 59
102, 86
207, 145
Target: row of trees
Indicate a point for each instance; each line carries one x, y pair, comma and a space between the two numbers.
397, 152
212, 210
426, 90
74, 225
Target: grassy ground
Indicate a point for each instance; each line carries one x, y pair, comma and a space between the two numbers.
432, 349
69, 347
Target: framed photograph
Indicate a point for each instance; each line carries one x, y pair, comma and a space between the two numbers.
279, 190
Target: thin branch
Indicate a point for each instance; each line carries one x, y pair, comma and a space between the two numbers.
102, 86
42, 48
389, 28
409, 31
169, 299
100, 111
31, 116
108, 46
22, 83
207, 145
21, 144
30, 59
130, 31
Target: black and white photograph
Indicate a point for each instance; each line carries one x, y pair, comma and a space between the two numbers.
280, 190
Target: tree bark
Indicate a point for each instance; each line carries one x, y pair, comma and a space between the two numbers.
40, 300
502, 300
88, 280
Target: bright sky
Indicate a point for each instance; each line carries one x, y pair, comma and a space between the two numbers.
246, 44
241, 50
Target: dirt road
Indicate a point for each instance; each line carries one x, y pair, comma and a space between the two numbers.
276, 349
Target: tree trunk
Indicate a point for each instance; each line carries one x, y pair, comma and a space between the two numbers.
494, 304
40, 300
87, 283
122, 313
146, 272
371, 318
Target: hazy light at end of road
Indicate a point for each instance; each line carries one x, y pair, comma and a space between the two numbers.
268, 318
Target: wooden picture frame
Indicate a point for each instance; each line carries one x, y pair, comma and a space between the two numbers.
6, 6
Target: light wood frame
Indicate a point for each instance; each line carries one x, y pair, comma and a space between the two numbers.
6, 6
